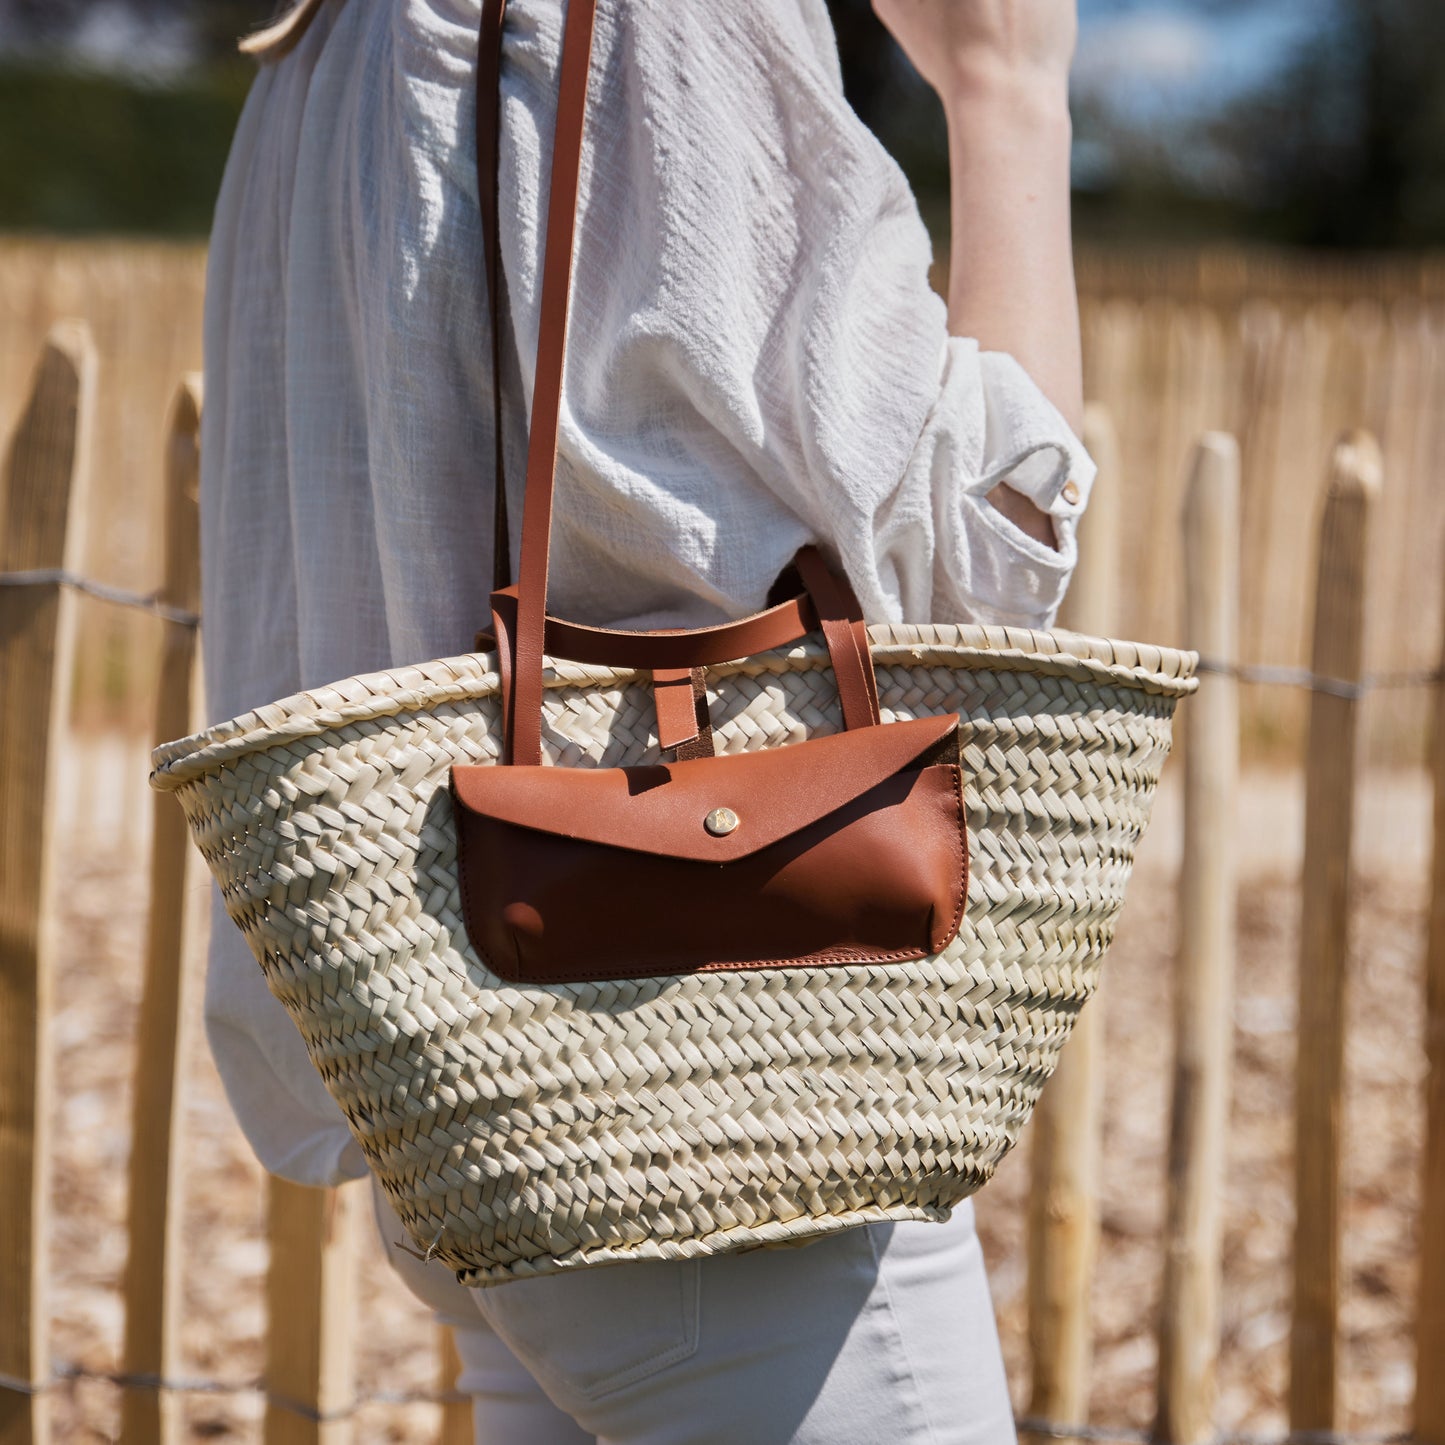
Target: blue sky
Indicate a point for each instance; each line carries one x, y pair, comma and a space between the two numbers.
1147, 53
1150, 74
1137, 48
1172, 55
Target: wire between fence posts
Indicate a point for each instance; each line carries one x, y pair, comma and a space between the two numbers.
1272, 675
151, 602
1046, 1429
1324, 930
44, 472
1204, 987
152, 1279
1064, 1188
1430, 1311
64, 1371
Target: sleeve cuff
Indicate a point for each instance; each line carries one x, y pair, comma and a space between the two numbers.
1029, 445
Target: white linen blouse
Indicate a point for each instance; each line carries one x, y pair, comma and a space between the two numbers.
756, 360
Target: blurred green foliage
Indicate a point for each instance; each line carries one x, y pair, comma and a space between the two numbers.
1339, 147
88, 152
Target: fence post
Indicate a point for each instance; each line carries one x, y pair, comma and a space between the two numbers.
1064, 1184
1430, 1311
456, 1414
42, 487
310, 1297
1204, 988
42, 494
150, 1416
1329, 823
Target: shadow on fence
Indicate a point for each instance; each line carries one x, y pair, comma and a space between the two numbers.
310, 1381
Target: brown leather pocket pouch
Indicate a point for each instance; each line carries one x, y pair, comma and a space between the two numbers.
850, 848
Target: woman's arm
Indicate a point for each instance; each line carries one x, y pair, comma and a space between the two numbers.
1001, 68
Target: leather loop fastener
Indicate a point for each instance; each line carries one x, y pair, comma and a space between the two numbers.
847, 636
680, 696
676, 709
847, 848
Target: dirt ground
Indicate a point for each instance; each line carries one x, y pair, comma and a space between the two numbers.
224, 1320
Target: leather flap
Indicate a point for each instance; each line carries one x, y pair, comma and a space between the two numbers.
752, 799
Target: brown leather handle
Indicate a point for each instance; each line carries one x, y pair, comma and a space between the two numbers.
523, 629
827, 605
672, 650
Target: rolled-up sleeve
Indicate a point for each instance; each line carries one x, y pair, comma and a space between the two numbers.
993, 425
770, 328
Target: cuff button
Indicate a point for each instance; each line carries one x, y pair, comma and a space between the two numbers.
1071, 492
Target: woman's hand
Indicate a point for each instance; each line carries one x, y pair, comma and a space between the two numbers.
954, 42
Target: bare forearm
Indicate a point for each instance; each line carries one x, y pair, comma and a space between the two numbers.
1011, 275
1001, 68
1011, 271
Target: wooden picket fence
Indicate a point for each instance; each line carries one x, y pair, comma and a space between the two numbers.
309, 1381
1268, 345
310, 1386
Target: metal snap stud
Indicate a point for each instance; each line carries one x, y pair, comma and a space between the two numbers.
720, 822
1072, 493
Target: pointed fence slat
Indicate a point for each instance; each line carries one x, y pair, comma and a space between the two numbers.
152, 1274
1339, 632
1204, 990
37, 639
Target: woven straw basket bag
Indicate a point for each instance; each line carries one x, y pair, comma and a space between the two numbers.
524, 1126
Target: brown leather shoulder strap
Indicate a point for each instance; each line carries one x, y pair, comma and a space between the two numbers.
489, 139
526, 721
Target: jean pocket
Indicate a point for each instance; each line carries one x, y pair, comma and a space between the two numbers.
587, 1333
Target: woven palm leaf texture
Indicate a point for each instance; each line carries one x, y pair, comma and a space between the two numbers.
521, 1129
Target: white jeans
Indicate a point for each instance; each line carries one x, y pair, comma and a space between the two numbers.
879, 1335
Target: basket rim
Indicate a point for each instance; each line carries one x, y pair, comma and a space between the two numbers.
467, 677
